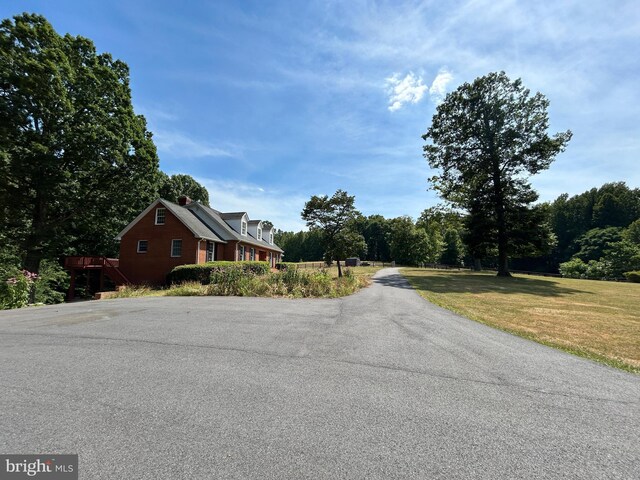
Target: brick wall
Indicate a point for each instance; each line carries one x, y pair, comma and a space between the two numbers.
153, 266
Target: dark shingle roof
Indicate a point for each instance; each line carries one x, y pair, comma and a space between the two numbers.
216, 222
199, 229
230, 215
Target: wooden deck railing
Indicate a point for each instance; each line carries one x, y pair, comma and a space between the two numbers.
90, 262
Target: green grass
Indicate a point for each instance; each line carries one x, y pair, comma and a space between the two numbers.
597, 320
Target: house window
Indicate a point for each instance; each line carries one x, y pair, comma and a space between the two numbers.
243, 228
176, 248
271, 238
160, 214
259, 233
210, 254
143, 246
271, 258
252, 254
241, 253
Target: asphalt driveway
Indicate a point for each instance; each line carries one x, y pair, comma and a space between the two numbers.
381, 384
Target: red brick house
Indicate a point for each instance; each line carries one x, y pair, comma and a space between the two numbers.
166, 234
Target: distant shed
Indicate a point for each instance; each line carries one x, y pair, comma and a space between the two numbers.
352, 262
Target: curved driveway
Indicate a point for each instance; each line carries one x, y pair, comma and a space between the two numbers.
381, 384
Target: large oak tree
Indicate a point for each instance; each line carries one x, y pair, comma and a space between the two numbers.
486, 138
76, 162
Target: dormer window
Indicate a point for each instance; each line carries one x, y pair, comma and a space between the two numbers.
160, 216
271, 238
243, 228
259, 233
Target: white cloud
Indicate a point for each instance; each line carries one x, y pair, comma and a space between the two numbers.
410, 89
179, 144
438, 88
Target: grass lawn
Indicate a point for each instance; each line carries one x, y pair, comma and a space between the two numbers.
597, 320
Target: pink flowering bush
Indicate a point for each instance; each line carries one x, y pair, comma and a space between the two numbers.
15, 289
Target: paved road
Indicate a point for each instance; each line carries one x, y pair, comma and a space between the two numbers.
381, 384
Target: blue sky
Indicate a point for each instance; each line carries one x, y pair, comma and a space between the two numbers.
269, 102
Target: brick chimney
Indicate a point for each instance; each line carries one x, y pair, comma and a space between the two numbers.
184, 200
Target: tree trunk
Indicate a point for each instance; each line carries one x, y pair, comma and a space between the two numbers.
503, 265
339, 269
477, 265
32, 260
36, 236
503, 237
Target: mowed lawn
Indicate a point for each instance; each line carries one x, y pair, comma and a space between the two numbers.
598, 320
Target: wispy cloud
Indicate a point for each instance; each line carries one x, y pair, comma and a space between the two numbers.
156, 114
260, 202
438, 88
178, 144
402, 91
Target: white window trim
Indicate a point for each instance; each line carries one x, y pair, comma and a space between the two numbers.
271, 238
138, 246
164, 219
252, 255
213, 251
259, 233
241, 252
174, 240
244, 227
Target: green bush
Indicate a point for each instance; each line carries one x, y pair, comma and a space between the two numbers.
633, 277
52, 283
574, 268
202, 272
15, 287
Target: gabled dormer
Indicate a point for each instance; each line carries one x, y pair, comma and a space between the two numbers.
267, 234
255, 229
239, 221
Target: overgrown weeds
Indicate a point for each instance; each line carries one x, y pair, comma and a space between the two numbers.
290, 283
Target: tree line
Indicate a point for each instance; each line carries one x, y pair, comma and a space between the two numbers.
597, 232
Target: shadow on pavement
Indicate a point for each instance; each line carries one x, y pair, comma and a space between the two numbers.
395, 280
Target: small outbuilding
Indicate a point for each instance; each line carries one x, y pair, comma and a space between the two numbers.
352, 262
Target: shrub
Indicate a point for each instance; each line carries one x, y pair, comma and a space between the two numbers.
15, 288
52, 283
202, 272
633, 276
574, 268
598, 270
